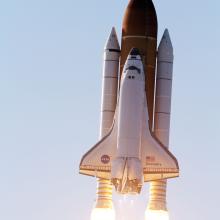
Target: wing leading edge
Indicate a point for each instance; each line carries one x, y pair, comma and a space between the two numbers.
98, 161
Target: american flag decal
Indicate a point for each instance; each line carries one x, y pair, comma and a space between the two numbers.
150, 159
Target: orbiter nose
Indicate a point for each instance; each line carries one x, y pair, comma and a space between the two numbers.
134, 52
134, 61
133, 67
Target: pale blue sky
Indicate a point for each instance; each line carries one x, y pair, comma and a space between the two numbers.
50, 87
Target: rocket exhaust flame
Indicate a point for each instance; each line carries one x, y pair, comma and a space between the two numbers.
156, 215
103, 214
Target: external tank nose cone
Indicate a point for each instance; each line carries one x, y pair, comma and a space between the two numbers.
140, 18
140, 31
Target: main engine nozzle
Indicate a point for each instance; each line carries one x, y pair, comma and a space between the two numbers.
127, 175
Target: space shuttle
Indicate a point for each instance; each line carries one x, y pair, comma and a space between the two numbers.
135, 106
129, 154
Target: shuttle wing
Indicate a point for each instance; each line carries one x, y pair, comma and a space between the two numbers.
98, 161
157, 161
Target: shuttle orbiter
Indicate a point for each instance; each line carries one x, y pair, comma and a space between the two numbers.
130, 154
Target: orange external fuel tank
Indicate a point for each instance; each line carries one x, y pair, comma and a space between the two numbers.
139, 30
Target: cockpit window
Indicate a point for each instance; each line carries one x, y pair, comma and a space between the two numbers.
131, 77
134, 68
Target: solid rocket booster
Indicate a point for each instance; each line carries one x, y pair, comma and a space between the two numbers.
165, 58
108, 105
109, 82
140, 31
164, 89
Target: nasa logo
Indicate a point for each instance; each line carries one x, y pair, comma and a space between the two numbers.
105, 159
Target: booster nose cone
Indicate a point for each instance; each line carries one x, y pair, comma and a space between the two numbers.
112, 42
165, 49
166, 37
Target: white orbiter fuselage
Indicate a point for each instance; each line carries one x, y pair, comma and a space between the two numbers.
129, 154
